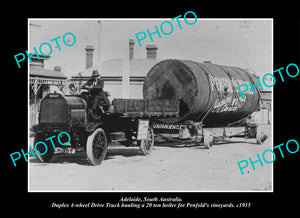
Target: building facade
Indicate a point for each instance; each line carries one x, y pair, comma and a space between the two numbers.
41, 82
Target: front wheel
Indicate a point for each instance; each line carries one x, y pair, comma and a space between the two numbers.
146, 145
96, 147
43, 153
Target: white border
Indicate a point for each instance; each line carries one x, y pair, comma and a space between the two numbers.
147, 191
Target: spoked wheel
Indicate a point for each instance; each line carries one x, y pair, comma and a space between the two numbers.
146, 145
260, 136
96, 146
43, 153
208, 139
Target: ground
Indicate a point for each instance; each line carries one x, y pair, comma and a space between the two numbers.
170, 167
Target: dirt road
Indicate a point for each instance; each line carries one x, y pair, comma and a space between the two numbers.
169, 168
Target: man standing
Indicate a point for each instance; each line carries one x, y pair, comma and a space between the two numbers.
95, 85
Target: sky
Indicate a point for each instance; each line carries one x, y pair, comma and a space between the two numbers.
242, 43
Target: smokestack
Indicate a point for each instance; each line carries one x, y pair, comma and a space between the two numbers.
131, 49
89, 56
151, 51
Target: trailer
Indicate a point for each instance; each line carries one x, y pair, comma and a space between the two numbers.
163, 113
166, 126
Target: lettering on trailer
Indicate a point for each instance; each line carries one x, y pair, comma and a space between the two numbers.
228, 97
168, 126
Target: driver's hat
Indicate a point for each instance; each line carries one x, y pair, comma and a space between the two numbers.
95, 73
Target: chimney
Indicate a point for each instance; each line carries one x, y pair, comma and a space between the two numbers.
38, 61
151, 51
57, 68
89, 56
131, 49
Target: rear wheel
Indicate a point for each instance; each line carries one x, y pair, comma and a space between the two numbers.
96, 147
146, 145
208, 139
260, 136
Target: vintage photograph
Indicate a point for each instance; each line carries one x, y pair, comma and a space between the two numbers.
150, 105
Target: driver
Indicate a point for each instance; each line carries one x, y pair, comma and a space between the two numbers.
96, 82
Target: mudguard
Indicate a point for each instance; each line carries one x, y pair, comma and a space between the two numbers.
94, 125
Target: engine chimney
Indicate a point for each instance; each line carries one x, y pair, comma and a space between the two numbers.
151, 51
89, 56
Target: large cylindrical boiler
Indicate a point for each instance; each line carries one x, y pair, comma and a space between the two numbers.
206, 91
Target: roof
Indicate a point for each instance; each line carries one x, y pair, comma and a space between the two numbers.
114, 67
45, 73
